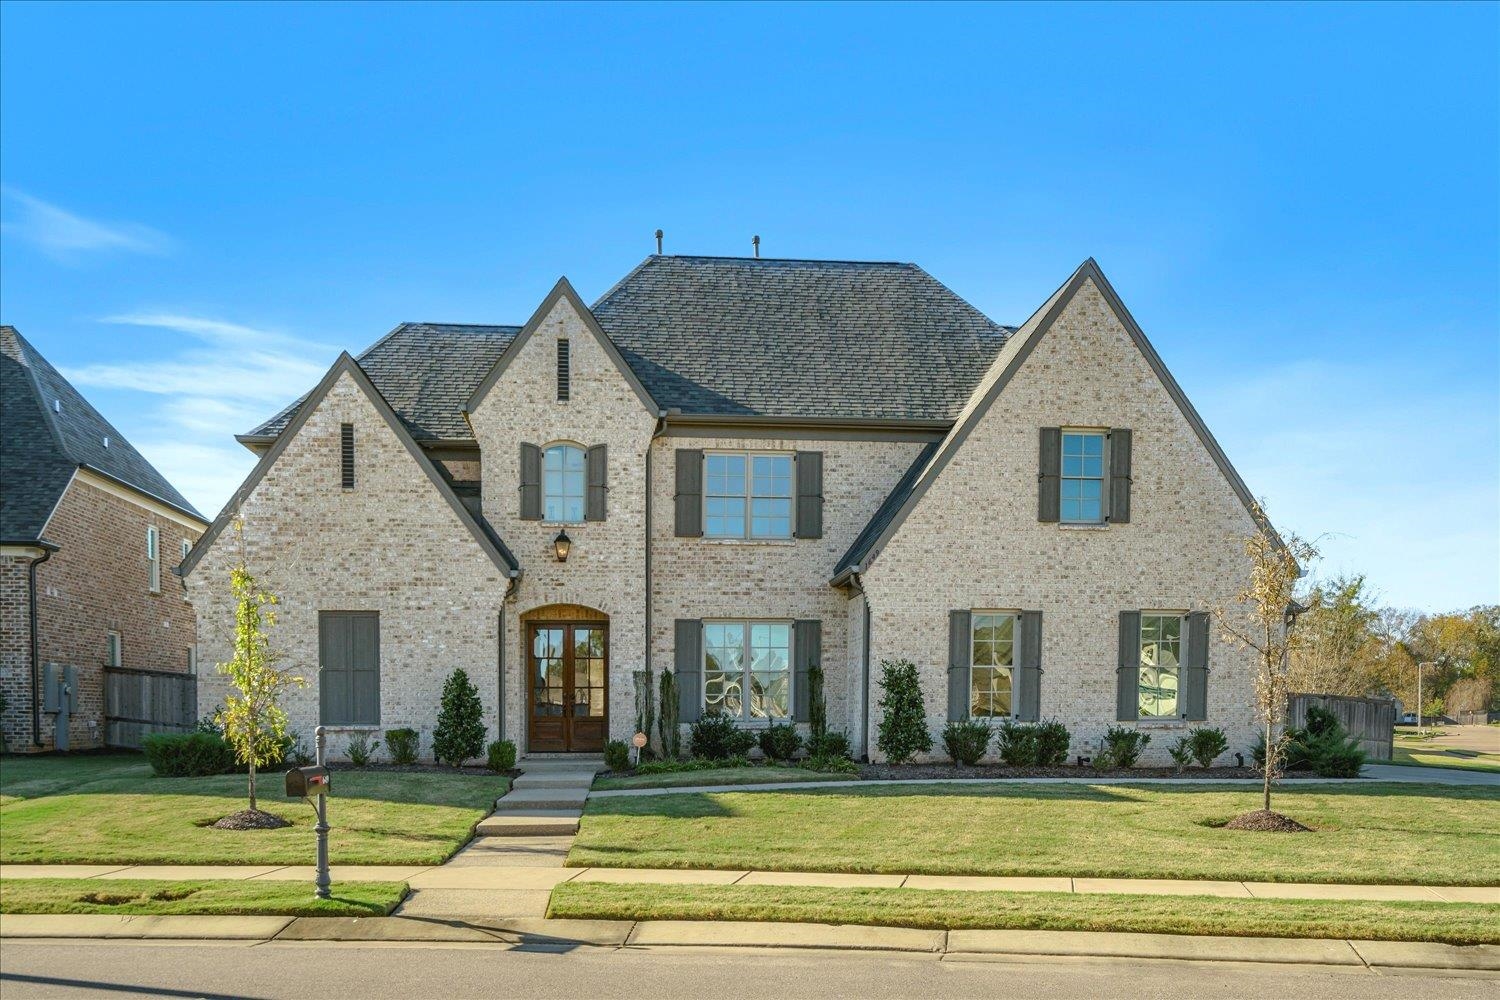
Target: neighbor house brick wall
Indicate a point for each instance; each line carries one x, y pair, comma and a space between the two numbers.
607, 568
779, 579
15, 648
974, 540
392, 545
97, 582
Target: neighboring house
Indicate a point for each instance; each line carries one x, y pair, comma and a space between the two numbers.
756, 465
89, 533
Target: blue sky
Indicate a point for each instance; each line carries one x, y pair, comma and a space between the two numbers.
1301, 206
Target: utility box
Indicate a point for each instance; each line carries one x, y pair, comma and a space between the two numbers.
306, 782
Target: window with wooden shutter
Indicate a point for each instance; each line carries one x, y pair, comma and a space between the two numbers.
809, 494
531, 483
597, 460
1119, 475
346, 455
349, 668
688, 499
1049, 469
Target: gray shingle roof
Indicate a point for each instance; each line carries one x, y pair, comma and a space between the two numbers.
730, 336
47, 429
799, 338
426, 371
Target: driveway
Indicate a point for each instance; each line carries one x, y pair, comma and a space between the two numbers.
1429, 775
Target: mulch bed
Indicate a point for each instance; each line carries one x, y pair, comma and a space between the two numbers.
251, 819
1265, 821
470, 770
1066, 771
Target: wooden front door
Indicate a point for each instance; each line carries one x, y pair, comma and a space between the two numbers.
568, 690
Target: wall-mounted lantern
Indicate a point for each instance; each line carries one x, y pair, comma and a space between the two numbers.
562, 545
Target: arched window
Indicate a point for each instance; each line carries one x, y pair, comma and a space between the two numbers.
563, 483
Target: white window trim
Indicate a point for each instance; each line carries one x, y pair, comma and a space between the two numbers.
1015, 644
153, 558
584, 497
745, 719
114, 649
1103, 433
750, 497
1140, 641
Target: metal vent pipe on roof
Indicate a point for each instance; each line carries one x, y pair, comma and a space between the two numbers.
755, 242
658, 242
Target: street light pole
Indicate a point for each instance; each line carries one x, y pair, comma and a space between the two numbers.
1419, 694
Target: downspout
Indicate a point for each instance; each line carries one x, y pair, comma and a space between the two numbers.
36, 646
510, 589
661, 426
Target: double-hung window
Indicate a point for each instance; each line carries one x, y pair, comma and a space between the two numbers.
747, 669
1082, 484
747, 495
1161, 656
563, 483
992, 664
153, 558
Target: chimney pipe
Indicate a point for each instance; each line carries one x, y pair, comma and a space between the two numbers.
658, 242
755, 242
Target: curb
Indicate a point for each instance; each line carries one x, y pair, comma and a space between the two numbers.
541, 933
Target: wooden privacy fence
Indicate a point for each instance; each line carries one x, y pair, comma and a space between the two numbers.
1373, 720
138, 702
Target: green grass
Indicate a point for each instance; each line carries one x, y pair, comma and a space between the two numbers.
208, 896
1419, 751
1454, 923
110, 809
718, 776
1391, 833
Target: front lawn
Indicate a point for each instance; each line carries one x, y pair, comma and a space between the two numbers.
766, 775
1429, 751
1391, 833
1454, 923
208, 896
110, 809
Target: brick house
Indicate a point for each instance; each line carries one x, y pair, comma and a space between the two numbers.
734, 469
89, 533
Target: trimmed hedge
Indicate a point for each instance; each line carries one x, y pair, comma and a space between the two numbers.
188, 755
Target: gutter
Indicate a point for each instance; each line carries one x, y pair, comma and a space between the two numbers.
36, 647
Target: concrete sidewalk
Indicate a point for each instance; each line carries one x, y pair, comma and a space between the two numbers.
533, 866
566, 935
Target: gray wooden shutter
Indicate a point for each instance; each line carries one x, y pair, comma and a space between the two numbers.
1128, 673
531, 482
1049, 473
809, 494
597, 463
335, 652
807, 651
1119, 475
687, 664
364, 669
959, 623
1028, 704
689, 495
1194, 682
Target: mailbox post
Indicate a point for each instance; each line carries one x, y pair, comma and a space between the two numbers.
311, 784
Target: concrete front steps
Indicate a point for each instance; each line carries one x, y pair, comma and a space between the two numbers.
546, 800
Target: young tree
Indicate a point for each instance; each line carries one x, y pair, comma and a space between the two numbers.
903, 729
459, 735
252, 718
667, 715
1263, 621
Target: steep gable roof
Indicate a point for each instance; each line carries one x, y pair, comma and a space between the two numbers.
47, 430
870, 542
480, 529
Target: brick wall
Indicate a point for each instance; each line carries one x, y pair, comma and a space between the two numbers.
974, 540
15, 651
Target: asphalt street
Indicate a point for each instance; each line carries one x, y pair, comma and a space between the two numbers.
207, 969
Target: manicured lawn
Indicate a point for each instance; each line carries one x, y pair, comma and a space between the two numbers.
718, 776
1392, 833
111, 809
1455, 923
281, 899
1411, 749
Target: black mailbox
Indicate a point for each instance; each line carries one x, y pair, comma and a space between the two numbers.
306, 782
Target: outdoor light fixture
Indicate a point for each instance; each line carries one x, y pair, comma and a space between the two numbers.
1293, 609
562, 545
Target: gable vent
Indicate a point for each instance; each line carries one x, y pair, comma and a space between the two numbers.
564, 372
346, 454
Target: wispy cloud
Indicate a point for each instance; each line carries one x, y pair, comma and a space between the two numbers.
221, 379
66, 236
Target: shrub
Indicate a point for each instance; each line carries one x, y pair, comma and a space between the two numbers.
1181, 752
1052, 742
966, 741
500, 756
1322, 746
903, 721
645, 707
673, 766
831, 765
716, 737
1338, 756
402, 745
817, 705
297, 754
460, 726
667, 717
617, 756
1208, 744
188, 755
833, 743
361, 749
1015, 742
1122, 747
780, 741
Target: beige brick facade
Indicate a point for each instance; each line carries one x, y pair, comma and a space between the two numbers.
974, 540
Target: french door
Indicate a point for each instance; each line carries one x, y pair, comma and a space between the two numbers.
568, 687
